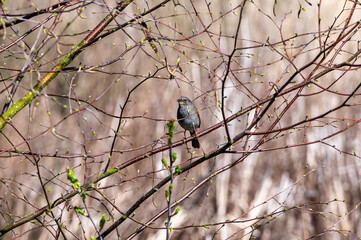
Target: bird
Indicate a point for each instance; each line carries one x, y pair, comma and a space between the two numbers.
188, 118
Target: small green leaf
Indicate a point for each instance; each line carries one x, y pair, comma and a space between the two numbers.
78, 210
167, 195
177, 210
164, 163
171, 126
177, 170
102, 222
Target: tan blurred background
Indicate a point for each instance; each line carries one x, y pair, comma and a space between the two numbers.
294, 178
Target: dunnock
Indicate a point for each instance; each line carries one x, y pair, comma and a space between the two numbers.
188, 118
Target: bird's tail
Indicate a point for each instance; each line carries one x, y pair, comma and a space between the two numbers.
195, 143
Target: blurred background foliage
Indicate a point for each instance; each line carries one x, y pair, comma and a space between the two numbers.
301, 182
